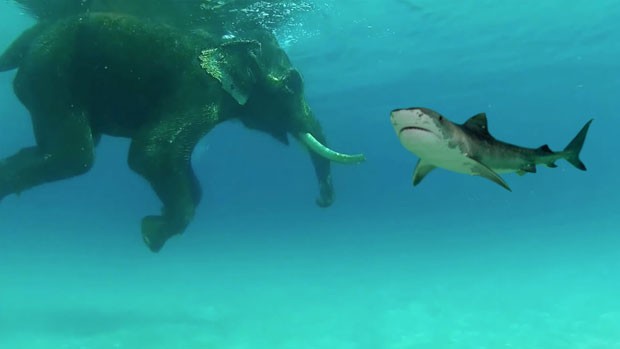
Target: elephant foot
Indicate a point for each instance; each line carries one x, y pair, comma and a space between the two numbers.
326, 190
155, 232
324, 201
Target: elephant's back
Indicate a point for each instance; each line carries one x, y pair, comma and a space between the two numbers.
119, 67
121, 48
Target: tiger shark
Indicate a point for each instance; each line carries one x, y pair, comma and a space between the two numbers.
469, 148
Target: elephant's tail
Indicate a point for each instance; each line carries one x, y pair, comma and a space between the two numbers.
53, 9
14, 54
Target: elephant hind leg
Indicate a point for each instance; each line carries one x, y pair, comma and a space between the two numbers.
65, 148
161, 153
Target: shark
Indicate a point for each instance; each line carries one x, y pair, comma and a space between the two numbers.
469, 148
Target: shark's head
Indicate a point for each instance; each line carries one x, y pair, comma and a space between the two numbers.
421, 130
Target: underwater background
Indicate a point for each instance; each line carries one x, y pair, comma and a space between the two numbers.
456, 262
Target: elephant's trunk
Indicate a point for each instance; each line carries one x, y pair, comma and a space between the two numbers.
317, 147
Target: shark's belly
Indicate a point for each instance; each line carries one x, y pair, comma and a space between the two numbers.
456, 157
452, 160
457, 161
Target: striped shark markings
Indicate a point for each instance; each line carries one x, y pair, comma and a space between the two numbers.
469, 148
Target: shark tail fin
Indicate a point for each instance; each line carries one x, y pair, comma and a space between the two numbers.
572, 150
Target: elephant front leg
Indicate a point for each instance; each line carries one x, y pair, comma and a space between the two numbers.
65, 148
161, 153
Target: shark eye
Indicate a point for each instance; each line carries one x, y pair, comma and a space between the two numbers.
440, 118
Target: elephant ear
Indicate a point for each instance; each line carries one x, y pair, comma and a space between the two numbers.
234, 65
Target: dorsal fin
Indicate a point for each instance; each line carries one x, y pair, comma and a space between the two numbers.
478, 124
545, 149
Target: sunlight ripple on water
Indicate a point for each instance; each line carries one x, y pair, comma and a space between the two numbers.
284, 18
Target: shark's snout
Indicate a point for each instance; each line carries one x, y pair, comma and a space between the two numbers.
407, 115
404, 119
405, 109
394, 120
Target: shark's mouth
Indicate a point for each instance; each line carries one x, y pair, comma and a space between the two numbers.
413, 128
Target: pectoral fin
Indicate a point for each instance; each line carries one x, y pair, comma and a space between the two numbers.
421, 170
483, 170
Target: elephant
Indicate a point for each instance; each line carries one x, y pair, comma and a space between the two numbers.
220, 17
181, 14
101, 73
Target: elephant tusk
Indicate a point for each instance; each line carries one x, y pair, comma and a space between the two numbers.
328, 153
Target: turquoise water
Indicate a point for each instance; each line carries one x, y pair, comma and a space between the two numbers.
455, 262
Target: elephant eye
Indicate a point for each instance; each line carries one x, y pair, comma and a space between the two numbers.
294, 82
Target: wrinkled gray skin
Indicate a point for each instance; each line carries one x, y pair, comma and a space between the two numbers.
85, 76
